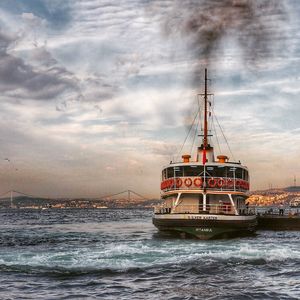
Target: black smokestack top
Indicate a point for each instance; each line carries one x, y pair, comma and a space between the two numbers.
256, 26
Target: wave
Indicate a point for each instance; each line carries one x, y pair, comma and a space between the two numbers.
140, 248
127, 259
56, 271
185, 281
146, 254
18, 240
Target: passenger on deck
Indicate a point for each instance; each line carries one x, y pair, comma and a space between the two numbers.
281, 209
247, 208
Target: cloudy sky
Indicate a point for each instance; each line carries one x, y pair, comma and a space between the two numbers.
96, 95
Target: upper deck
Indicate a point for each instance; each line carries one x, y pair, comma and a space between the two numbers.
216, 176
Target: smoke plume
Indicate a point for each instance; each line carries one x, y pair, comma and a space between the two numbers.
255, 26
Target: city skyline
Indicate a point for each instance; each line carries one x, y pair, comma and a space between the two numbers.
97, 96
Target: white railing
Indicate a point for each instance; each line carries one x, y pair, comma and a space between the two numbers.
210, 183
275, 210
224, 208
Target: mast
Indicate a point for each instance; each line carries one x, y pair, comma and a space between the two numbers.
205, 151
205, 113
205, 141
205, 144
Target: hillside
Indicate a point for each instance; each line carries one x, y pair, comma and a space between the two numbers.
31, 202
274, 196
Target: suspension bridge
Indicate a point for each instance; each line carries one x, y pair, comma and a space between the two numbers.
13, 199
128, 195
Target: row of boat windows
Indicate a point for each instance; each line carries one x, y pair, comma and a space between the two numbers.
210, 199
213, 171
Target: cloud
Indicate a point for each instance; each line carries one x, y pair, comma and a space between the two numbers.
96, 99
55, 12
32, 20
21, 80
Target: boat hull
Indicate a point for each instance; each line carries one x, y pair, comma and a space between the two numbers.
276, 222
206, 226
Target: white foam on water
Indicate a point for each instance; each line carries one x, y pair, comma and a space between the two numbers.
149, 253
118, 249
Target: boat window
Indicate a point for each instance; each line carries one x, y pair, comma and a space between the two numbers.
170, 172
213, 171
240, 199
231, 172
173, 171
178, 171
239, 173
220, 171
210, 171
193, 170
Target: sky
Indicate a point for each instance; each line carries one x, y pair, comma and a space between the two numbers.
97, 96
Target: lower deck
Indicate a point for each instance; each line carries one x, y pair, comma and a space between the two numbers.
205, 215
204, 203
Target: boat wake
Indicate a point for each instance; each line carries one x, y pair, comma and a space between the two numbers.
123, 256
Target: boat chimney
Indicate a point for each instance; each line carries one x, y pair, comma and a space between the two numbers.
186, 158
209, 153
222, 158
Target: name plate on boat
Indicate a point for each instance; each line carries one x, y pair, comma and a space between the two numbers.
204, 229
203, 217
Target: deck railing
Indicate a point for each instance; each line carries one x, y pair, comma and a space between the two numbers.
209, 183
277, 210
221, 209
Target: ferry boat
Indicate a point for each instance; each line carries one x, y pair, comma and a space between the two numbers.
205, 198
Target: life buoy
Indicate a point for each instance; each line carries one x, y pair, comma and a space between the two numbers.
229, 183
243, 184
198, 182
166, 184
220, 182
178, 182
172, 181
212, 182
188, 182
237, 183
247, 185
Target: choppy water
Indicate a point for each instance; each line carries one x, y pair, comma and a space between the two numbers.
117, 254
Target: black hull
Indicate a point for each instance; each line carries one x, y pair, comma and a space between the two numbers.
207, 229
278, 222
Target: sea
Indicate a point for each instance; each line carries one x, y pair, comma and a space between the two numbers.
119, 254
